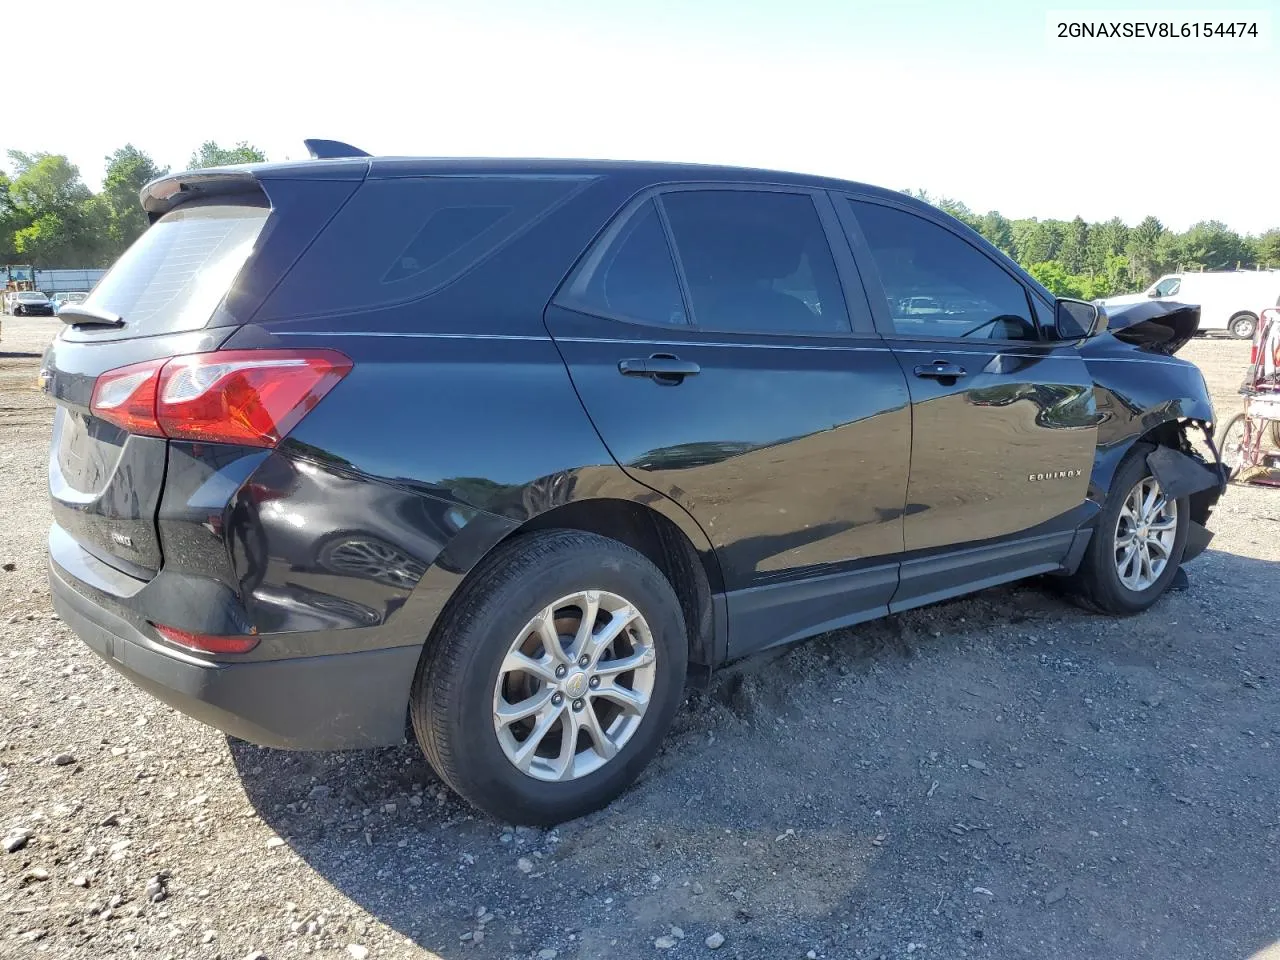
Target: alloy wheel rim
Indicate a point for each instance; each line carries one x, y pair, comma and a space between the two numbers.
1144, 535
1243, 329
574, 686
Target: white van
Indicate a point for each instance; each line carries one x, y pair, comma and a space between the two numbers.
1229, 300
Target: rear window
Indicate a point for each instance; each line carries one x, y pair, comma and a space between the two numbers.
172, 279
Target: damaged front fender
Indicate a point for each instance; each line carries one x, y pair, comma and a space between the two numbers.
1184, 474
1147, 395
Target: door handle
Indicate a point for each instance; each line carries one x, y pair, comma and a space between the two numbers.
941, 370
661, 368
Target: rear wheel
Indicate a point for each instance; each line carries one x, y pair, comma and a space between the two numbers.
554, 678
1137, 544
1243, 326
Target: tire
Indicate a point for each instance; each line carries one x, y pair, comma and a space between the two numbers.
1275, 433
465, 671
1098, 584
1243, 326
1235, 424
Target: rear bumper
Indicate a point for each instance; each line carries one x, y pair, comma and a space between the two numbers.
333, 702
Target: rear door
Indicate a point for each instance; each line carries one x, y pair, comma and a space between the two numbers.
1003, 415
709, 337
105, 483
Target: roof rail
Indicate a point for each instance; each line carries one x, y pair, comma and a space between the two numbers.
331, 149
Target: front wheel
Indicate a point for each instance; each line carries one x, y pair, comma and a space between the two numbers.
553, 678
1137, 544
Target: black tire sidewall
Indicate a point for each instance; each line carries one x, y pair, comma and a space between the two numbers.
486, 776
1253, 326
1108, 591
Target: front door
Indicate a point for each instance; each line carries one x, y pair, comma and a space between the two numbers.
1004, 422
709, 338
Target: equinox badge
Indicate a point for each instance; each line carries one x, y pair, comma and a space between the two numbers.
1054, 475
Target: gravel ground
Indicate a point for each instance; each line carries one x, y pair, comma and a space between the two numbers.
998, 777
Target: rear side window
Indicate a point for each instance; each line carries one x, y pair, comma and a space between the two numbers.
174, 276
756, 262
401, 239
633, 277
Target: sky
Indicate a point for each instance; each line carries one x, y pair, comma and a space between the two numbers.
983, 104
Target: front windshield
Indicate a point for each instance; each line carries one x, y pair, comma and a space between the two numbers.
33, 297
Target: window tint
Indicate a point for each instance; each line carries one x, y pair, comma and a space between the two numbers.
175, 274
1168, 287
939, 285
634, 277
756, 262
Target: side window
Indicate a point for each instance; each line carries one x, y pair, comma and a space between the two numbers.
1167, 287
633, 276
937, 284
756, 262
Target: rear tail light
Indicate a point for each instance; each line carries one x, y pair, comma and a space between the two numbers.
249, 397
203, 643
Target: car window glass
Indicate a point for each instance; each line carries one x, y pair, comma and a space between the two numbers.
634, 277
1168, 287
939, 285
756, 262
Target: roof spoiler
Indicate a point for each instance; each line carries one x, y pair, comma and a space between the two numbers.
331, 149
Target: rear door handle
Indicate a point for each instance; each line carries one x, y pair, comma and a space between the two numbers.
940, 370
662, 368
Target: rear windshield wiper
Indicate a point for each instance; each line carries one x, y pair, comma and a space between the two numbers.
82, 315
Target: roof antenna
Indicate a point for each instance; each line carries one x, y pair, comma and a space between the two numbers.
331, 149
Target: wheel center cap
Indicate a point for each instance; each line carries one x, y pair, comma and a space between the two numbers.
576, 685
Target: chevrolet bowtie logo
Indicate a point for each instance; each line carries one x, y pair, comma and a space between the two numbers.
1054, 475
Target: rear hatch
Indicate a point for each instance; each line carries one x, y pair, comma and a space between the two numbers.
214, 248
106, 483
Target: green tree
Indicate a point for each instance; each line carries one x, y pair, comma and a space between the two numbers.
212, 155
1142, 251
1106, 240
1267, 249
959, 211
997, 230
10, 221
128, 171
1036, 241
1212, 245
1074, 249
53, 206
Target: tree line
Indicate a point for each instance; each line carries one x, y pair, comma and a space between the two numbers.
1073, 258
50, 218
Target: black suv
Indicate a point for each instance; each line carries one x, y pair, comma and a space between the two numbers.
503, 448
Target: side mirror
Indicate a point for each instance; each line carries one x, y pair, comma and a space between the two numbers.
1078, 319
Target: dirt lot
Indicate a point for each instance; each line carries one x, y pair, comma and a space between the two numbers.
999, 777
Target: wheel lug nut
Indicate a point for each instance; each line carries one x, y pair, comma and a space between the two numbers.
557, 699
561, 671
577, 704
595, 682
583, 660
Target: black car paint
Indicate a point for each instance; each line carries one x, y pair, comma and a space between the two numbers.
486, 356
